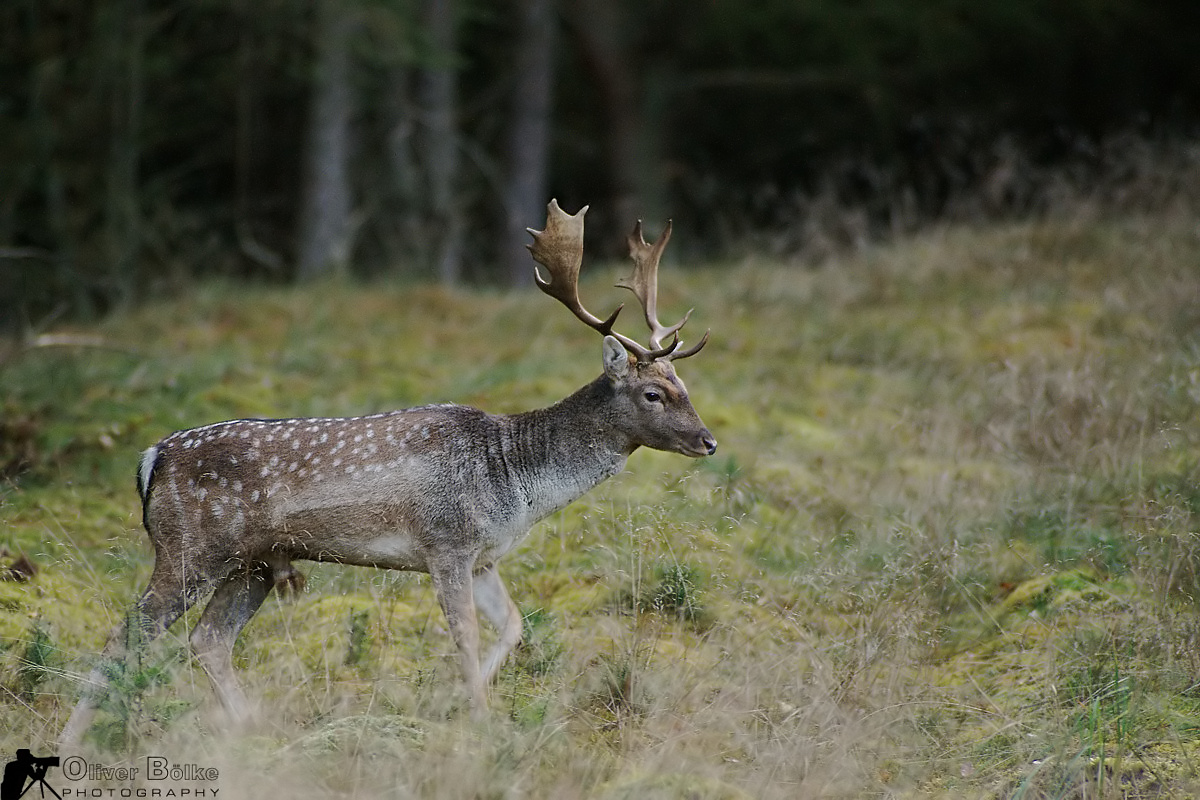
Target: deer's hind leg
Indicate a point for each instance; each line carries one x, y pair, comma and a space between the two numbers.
166, 598
234, 602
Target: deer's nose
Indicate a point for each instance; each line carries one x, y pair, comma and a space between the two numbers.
709, 443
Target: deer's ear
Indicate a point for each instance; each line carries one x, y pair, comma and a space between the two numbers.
616, 360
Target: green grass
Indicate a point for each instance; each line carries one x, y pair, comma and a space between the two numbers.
949, 545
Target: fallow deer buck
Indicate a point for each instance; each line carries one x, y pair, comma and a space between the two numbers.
443, 489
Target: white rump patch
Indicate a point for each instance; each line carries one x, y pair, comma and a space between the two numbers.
146, 469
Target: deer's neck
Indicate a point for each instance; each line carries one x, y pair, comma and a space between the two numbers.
557, 454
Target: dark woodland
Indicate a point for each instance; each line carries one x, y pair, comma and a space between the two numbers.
149, 144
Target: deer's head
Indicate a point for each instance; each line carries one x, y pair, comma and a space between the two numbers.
651, 403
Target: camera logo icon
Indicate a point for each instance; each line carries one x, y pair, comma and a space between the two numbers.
24, 772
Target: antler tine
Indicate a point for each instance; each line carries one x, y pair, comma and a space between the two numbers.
559, 248
691, 351
644, 285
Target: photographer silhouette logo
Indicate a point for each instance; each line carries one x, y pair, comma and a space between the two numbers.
26, 768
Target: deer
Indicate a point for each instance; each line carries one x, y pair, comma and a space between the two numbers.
443, 489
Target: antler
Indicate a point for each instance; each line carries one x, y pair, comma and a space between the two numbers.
559, 248
644, 285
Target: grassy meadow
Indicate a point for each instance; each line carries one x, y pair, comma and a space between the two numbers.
949, 546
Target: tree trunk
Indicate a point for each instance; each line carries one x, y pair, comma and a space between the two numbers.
247, 99
325, 219
405, 175
123, 210
438, 143
597, 28
529, 135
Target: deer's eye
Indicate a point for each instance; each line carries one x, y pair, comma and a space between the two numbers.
653, 396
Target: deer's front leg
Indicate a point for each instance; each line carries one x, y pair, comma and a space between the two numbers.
453, 585
492, 599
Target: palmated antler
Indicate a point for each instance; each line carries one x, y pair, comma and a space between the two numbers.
644, 285
559, 248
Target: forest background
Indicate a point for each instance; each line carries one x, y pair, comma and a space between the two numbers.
148, 144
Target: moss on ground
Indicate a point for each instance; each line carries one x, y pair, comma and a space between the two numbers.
948, 547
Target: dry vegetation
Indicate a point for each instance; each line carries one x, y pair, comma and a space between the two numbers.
950, 545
